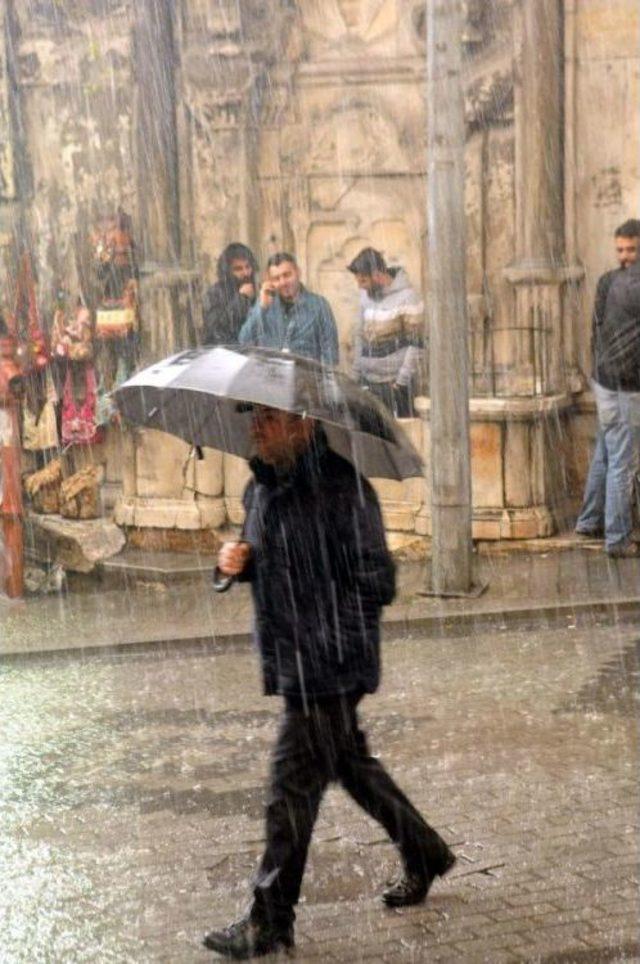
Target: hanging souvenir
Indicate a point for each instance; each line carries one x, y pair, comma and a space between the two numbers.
118, 317
114, 255
31, 352
79, 495
79, 418
41, 433
117, 272
43, 488
72, 338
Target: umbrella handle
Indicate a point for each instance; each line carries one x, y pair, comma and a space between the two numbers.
221, 582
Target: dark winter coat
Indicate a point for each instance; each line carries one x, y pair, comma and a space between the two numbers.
320, 572
309, 327
616, 330
225, 309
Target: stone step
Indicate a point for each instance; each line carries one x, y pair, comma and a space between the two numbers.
155, 566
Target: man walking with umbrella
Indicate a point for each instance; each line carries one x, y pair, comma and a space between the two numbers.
314, 551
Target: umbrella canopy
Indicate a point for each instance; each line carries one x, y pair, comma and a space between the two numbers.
204, 396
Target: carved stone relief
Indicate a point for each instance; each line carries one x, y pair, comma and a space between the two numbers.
348, 22
219, 19
357, 139
65, 16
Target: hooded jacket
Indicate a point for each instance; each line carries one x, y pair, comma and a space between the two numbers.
389, 334
320, 570
224, 308
616, 330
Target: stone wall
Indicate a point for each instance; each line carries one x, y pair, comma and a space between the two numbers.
301, 125
309, 134
74, 80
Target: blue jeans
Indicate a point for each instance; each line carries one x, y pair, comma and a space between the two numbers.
608, 493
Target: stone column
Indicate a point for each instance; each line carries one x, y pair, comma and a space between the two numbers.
169, 498
538, 362
539, 273
168, 291
536, 343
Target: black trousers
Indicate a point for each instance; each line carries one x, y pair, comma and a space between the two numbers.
314, 748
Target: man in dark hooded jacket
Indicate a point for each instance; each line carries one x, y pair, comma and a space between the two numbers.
228, 302
320, 571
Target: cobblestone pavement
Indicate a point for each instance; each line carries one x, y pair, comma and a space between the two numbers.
131, 793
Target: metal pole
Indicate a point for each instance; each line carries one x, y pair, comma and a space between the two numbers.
448, 334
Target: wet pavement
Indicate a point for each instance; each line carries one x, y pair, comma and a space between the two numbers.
131, 793
556, 588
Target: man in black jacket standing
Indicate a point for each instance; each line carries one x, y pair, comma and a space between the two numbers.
320, 571
228, 302
607, 502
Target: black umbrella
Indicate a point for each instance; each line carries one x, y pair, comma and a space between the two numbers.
205, 396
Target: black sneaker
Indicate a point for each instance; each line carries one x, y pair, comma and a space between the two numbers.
247, 938
412, 888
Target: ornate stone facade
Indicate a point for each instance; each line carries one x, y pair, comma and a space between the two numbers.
301, 125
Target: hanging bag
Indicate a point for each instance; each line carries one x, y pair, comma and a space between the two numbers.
79, 419
72, 339
118, 317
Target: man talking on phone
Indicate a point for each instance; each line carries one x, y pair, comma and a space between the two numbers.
289, 317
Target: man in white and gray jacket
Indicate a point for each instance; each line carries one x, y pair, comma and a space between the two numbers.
389, 338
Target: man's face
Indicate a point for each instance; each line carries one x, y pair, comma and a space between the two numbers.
371, 283
627, 251
285, 278
241, 271
280, 436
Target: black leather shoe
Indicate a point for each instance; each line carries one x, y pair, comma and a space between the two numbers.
246, 939
412, 888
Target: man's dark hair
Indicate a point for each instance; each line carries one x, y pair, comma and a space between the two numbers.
630, 229
281, 257
368, 262
236, 251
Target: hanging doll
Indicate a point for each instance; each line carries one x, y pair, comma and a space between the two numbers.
38, 423
73, 352
117, 315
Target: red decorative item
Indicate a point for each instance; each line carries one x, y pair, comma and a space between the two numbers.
79, 419
11, 511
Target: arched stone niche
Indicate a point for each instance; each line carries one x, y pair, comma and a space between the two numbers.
345, 179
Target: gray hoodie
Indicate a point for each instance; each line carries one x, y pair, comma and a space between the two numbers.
388, 343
